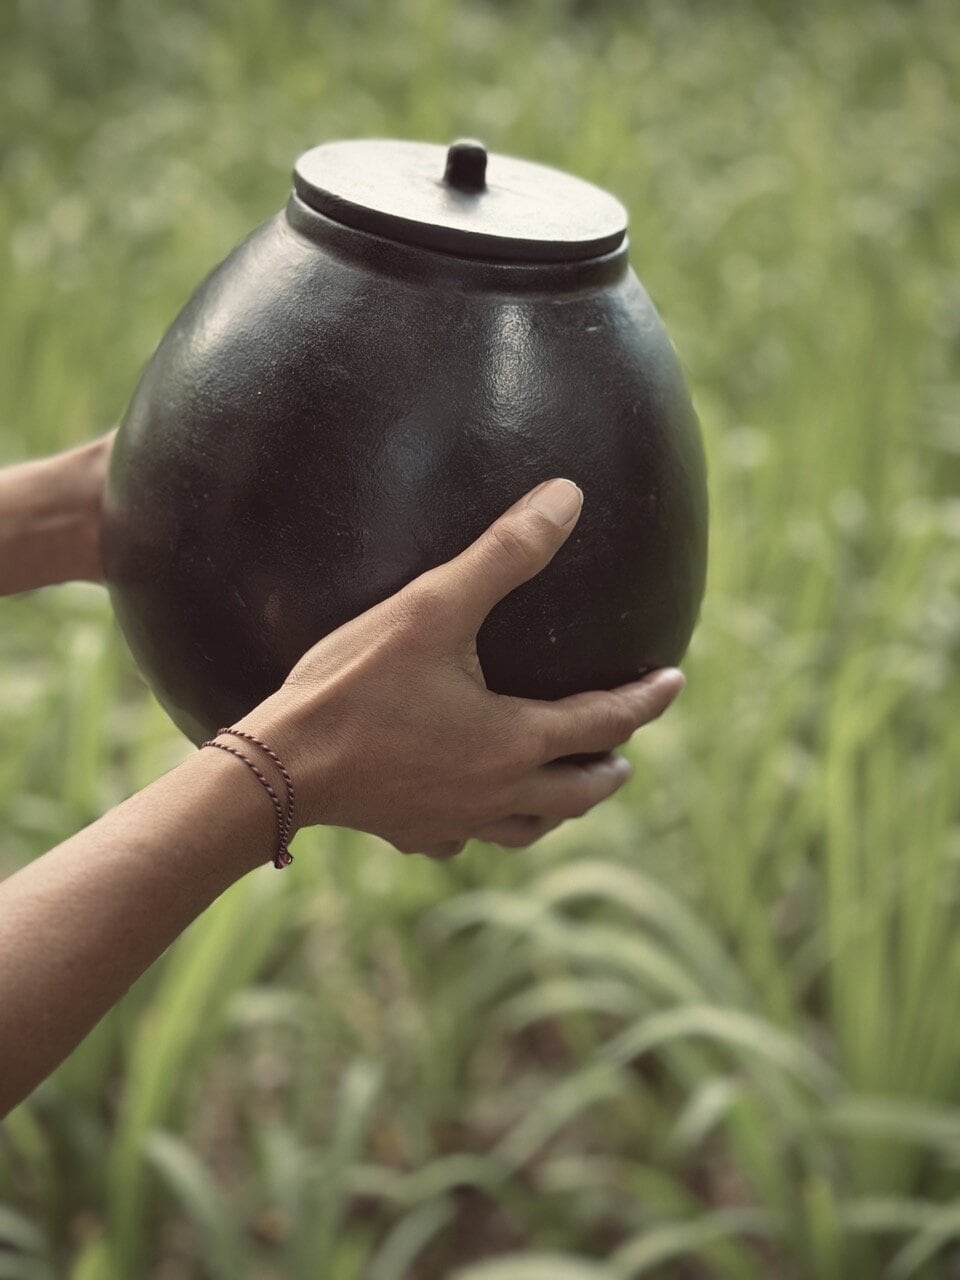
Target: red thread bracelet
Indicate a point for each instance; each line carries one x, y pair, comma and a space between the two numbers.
283, 856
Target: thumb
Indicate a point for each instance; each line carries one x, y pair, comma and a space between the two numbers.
515, 547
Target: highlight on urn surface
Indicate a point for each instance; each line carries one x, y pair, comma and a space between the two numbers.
420, 336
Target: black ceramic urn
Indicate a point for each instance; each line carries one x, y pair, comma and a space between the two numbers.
368, 381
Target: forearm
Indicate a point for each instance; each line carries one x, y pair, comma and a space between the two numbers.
50, 518
80, 924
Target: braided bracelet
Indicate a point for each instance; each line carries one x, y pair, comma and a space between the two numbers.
283, 856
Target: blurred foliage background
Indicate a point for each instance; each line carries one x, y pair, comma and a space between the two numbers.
711, 1029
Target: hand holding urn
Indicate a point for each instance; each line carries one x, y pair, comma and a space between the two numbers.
361, 388
388, 727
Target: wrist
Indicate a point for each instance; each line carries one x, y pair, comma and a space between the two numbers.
301, 729
233, 828
246, 747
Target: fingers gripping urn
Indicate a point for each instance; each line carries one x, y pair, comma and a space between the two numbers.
422, 335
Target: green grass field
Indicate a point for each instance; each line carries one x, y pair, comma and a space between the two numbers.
711, 1030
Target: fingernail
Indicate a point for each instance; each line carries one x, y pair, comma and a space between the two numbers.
623, 767
559, 500
667, 676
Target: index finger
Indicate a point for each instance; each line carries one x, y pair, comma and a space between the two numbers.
601, 720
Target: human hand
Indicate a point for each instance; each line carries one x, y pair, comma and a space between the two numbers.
50, 518
86, 471
387, 725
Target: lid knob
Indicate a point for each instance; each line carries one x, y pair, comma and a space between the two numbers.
466, 166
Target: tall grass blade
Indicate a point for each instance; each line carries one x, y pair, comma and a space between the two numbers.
199, 1197
396, 1256
536, 1266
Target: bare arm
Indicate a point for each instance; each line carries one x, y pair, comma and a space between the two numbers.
50, 518
386, 726
79, 925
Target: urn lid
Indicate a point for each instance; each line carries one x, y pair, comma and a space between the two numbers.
460, 199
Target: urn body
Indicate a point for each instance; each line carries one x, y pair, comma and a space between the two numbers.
335, 411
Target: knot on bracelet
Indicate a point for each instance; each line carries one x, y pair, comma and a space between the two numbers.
283, 857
